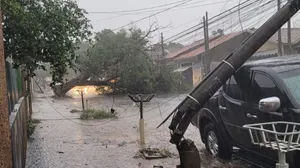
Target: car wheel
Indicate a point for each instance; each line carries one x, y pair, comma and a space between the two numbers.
215, 144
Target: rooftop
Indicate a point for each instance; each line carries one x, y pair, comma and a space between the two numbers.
212, 44
198, 47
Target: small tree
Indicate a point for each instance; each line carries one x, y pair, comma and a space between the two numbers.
43, 31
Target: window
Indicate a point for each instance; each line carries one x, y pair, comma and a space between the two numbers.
292, 80
262, 87
233, 90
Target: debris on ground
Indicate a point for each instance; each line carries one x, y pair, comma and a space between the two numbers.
122, 144
75, 111
96, 114
31, 125
153, 153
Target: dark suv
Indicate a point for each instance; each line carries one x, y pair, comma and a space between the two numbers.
237, 103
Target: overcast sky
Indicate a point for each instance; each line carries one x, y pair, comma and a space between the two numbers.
178, 19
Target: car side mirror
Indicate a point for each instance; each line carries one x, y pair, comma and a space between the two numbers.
271, 104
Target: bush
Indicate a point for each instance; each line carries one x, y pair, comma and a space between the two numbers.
96, 114
31, 126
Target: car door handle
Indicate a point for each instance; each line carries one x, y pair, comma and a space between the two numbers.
222, 108
251, 116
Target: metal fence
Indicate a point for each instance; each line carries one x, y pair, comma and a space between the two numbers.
14, 85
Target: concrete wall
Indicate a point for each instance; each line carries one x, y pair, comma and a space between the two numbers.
18, 125
268, 46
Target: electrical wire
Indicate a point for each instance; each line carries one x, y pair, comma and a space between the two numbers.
141, 9
143, 18
183, 7
49, 102
149, 12
250, 12
211, 20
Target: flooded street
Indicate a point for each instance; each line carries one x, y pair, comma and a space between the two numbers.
62, 140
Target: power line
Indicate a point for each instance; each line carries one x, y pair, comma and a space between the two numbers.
214, 19
183, 24
252, 13
152, 15
49, 102
135, 10
147, 12
184, 6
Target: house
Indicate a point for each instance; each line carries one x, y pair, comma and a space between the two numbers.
191, 56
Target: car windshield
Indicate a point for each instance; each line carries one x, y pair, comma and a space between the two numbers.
292, 81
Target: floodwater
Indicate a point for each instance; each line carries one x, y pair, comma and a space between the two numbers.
62, 140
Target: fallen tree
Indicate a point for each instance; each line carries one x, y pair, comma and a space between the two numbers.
81, 80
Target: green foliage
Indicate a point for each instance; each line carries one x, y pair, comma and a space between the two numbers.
96, 114
43, 31
75, 111
31, 125
125, 54
168, 81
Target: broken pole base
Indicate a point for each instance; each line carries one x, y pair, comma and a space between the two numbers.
189, 154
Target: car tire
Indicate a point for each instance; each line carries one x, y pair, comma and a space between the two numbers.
215, 144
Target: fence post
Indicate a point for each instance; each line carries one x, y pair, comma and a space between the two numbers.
24, 86
29, 94
5, 142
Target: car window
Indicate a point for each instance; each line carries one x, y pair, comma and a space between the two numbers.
233, 90
291, 79
262, 87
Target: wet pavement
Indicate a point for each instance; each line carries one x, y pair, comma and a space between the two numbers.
62, 140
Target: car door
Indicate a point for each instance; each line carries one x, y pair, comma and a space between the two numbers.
231, 106
262, 86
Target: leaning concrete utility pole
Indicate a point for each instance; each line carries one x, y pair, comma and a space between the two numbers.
207, 45
5, 142
187, 109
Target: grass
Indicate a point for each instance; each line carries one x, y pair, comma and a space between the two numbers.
96, 114
31, 126
75, 111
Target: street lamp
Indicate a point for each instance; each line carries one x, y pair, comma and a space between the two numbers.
82, 92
